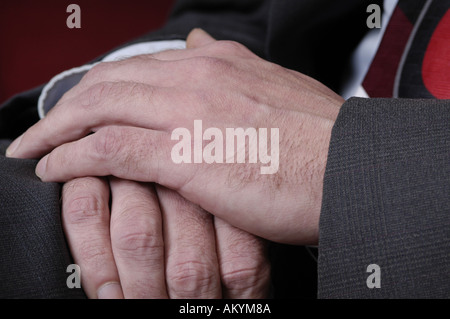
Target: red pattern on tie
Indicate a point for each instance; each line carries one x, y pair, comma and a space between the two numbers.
436, 64
379, 80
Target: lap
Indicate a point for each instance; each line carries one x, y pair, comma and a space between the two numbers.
34, 253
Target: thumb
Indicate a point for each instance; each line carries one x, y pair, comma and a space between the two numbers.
198, 38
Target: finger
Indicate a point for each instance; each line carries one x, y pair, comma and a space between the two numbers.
126, 152
137, 239
191, 261
244, 266
198, 38
85, 217
107, 103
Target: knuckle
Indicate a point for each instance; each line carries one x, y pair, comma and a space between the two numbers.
108, 143
136, 232
208, 67
248, 274
138, 242
138, 91
190, 278
97, 71
84, 208
95, 94
93, 253
245, 266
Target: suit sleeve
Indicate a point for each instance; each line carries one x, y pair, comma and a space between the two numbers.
242, 21
386, 201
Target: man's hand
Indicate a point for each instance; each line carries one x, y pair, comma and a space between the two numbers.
147, 248
134, 105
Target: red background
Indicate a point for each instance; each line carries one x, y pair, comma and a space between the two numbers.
36, 44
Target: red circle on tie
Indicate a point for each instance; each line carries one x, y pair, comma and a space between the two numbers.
436, 62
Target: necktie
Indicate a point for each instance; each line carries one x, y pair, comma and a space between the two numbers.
413, 60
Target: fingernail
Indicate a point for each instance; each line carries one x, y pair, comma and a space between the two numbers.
110, 290
14, 146
41, 167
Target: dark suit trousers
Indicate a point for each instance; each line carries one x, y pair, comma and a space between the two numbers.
34, 254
